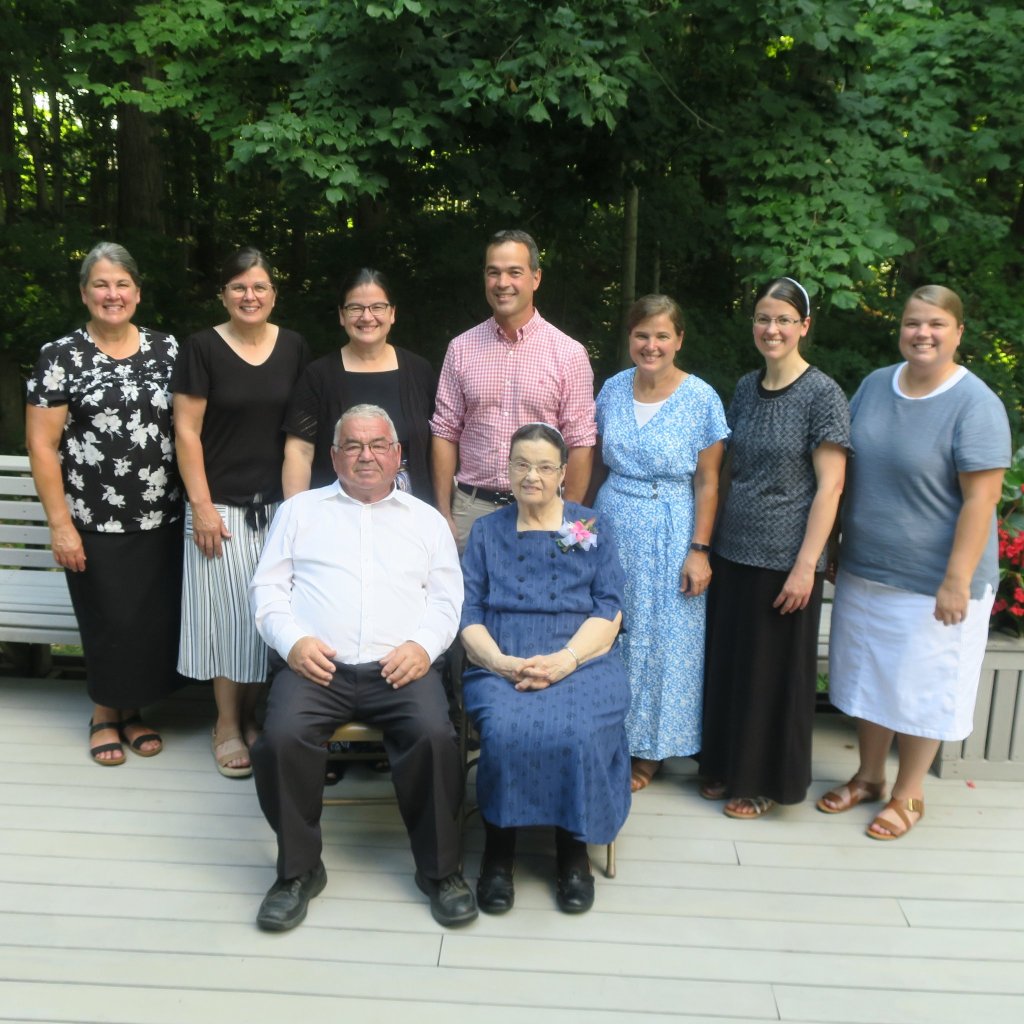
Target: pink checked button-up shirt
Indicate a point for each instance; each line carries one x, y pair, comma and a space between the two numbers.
490, 386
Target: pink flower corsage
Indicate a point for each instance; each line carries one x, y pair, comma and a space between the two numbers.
580, 534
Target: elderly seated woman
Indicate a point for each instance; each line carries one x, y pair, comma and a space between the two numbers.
548, 689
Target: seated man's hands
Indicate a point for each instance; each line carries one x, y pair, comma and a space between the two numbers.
540, 671
311, 659
405, 664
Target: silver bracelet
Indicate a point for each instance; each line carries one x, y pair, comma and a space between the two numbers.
575, 656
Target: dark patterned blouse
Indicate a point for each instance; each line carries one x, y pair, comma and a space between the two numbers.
117, 450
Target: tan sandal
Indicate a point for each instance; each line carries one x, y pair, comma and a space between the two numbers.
641, 773
227, 751
759, 806
900, 807
847, 796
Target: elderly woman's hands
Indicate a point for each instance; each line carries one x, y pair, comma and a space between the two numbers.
540, 671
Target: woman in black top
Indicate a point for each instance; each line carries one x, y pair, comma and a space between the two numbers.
367, 369
231, 385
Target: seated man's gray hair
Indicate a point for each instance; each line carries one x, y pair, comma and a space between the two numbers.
364, 412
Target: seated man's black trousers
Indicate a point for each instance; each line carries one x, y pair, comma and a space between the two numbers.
289, 760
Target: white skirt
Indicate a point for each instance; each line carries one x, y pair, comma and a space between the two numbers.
218, 633
893, 663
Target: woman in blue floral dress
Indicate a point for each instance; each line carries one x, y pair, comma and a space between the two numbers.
98, 430
662, 437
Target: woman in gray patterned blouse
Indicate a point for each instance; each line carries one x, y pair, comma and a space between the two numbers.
791, 436
98, 430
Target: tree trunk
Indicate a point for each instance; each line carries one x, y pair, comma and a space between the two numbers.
8, 152
36, 147
12, 405
630, 227
56, 155
140, 180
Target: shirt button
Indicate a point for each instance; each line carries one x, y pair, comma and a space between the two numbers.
552, 596
521, 557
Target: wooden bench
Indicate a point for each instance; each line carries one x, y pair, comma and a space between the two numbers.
35, 607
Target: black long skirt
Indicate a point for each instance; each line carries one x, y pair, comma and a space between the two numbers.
760, 674
128, 606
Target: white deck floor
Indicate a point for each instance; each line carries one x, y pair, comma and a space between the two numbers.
129, 896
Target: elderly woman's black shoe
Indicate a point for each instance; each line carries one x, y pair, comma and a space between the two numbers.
495, 890
574, 891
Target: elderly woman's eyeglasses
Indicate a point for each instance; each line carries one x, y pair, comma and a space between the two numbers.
353, 449
356, 309
783, 321
520, 467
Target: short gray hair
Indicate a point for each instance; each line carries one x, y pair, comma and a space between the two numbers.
365, 412
116, 254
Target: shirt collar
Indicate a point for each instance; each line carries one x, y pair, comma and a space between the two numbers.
334, 491
527, 331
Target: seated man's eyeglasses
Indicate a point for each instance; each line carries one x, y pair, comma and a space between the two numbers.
353, 449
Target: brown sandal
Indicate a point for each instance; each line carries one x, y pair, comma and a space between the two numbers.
901, 807
641, 773
857, 792
712, 789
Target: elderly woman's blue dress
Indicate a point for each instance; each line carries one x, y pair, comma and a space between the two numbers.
556, 756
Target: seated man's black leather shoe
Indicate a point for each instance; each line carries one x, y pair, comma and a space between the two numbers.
495, 891
451, 901
575, 891
285, 904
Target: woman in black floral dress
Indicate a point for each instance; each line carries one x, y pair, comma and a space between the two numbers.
98, 430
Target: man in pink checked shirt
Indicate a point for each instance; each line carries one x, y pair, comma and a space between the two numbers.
513, 369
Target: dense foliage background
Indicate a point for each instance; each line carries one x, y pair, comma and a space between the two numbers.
692, 147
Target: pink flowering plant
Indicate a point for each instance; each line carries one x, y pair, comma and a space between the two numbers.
1008, 610
580, 535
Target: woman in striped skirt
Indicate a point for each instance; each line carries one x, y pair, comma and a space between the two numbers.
231, 385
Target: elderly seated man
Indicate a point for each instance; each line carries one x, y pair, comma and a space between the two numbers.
359, 590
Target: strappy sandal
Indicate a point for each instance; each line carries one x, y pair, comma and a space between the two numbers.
229, 750
145, 737
641, 772
900, 807
857, 791
712, 789
759, 805
104, 748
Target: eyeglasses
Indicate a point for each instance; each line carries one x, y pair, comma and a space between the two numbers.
783, 321
239, 290
353, 449
356, 309
520, 467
